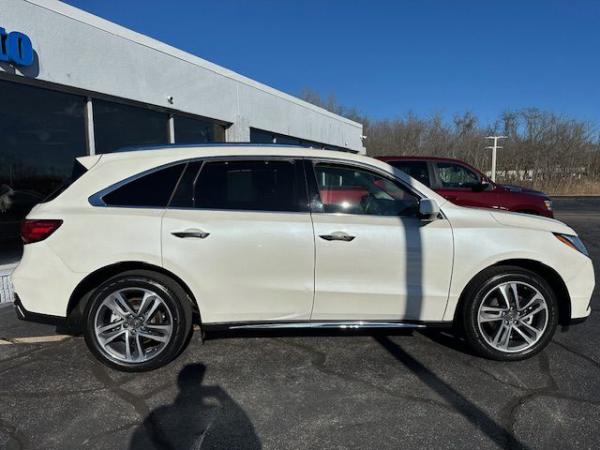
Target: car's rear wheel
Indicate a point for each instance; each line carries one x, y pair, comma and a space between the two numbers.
509, 313
138, 321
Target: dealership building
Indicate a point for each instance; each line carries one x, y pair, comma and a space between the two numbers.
74, 84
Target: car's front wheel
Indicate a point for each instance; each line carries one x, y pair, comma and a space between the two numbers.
137, 321
509, 313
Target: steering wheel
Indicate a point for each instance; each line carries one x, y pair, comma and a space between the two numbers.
369, 204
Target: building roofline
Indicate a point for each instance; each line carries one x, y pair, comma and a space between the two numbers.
141, 39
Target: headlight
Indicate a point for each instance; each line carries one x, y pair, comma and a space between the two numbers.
548, 204
573, 242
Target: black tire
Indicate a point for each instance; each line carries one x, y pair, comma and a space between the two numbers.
175, 299
474, 295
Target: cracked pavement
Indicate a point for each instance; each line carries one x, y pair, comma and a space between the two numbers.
345, 389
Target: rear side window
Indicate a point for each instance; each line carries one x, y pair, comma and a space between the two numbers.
241, 185
415, 169
150, 191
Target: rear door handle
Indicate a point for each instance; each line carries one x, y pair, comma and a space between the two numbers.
191, 233
337, 236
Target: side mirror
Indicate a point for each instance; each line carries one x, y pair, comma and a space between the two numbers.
429, 210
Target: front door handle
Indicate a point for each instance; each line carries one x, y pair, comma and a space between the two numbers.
191, 233
337, 236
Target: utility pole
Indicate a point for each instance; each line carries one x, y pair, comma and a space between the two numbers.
494, 148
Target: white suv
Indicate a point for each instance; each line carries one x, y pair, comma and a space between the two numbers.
143, 244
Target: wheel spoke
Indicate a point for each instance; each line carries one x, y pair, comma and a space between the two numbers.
491, 313
536, 298
140, 350
505, 295
513, 288
152, 309
523, 335
127, 346
502, 335
541, 307
148, 299
152, 326
154, 337
532, 329
120, 305
110, 326
111, 336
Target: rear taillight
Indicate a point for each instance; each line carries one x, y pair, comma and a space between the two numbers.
33, 230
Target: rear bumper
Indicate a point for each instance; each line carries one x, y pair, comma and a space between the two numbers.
44, 283
24, 314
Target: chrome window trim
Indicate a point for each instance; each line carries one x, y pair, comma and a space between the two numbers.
97, 200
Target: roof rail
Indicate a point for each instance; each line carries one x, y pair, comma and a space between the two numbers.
132, 148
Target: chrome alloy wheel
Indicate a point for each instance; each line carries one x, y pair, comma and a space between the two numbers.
133, 325
513, 316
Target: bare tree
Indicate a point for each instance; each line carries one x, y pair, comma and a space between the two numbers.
544, 150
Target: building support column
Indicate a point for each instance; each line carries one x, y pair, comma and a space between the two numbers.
89, 127
171, 129
239, 131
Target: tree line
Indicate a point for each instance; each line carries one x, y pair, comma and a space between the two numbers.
543, 150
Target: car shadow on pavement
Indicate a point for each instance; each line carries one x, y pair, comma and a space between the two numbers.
479, 418
200, 417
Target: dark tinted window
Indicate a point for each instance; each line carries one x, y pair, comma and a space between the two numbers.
248, 185
152, 190
117, 126
261, 137
78, 171
41, 131
184, 196
416, 169
345, 189
195, 131
456, 176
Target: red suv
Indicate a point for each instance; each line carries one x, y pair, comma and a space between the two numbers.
464, 185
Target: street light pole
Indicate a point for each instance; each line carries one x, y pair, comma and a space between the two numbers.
494, 149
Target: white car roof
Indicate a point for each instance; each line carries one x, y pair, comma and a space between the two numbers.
123, 164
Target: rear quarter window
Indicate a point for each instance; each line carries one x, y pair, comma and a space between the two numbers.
152, 190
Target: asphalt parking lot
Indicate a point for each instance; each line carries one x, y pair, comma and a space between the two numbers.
319, 390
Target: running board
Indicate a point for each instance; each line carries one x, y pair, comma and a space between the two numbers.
326, 325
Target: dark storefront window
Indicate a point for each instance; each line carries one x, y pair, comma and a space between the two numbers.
196, 131
268, 137
117, 126
41, 131
261, 137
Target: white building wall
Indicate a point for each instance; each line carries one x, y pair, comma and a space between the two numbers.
80, 50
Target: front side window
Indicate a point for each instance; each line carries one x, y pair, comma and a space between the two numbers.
415, 169
241, 185
456, 176
350, 190
148, 191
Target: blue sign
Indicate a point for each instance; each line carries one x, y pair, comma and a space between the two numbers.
15, 48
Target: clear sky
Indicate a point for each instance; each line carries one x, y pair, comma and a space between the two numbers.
389, 57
